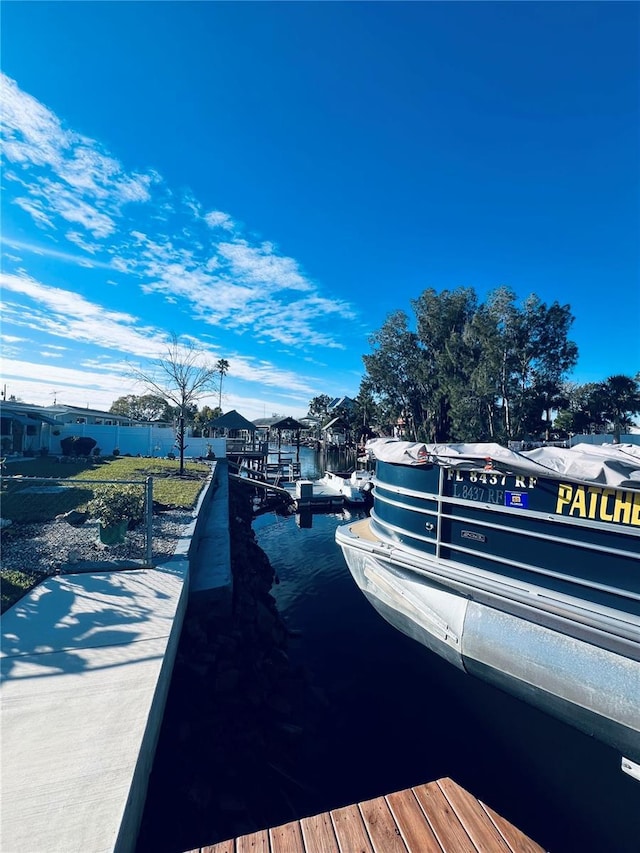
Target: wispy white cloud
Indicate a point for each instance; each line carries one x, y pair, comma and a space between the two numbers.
74, 177
80, 241
261, 265
266, 374
65, 202
35, 208
12, 345
193, 259
77, 387
245, 288
192, 204
219, 219
49, 252
71, 317
73, 385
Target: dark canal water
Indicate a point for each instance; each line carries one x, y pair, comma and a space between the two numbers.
392, 715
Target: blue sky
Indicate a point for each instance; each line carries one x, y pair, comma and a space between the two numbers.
271, 180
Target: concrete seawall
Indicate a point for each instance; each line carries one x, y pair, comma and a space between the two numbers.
86, 666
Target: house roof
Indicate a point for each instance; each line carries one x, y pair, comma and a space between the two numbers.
232, 420
24, 413
278, 422
287, 423
263, 423
339, 402
335, 422
63, 409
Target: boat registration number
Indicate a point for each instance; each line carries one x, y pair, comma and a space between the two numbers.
484, 487
491, 478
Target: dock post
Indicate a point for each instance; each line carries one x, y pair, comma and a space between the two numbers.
149, 519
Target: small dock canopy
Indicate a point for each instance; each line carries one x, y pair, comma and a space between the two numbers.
231, 422
279, 425
238, 431
287, 423
336, 431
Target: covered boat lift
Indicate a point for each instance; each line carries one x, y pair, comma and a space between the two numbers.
279, 425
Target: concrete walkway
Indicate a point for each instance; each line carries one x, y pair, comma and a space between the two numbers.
86, 665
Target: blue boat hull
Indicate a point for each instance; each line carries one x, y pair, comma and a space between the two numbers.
528, 583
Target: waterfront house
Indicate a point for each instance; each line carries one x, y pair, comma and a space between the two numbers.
21, 427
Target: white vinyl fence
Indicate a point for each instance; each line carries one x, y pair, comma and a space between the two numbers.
625, 438
143, 440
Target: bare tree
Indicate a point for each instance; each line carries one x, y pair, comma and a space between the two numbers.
181, 376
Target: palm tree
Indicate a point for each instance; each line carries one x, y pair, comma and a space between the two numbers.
222, 366
619, 398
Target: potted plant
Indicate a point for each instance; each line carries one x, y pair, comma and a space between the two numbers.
116, 507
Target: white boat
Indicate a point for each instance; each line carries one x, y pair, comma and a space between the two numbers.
363, 479
353, 487
522, 569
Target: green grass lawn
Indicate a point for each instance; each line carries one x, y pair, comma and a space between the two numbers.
168, 486
14, 584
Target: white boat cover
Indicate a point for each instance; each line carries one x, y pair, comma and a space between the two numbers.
607, 464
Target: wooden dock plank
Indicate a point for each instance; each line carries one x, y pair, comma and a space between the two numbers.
413, 825
383, 832
255, 842
439, 817
447, 828
515, 838
286, 838
478, 825
221, 847
350, 830
318, 834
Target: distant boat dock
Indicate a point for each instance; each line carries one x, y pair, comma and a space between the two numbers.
276, 477
301, 494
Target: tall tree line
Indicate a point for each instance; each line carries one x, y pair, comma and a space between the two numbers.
466, 370
600, 406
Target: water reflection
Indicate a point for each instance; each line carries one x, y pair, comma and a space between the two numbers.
397, 715
377, 713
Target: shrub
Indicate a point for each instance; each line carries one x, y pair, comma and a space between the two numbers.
96, 451
116, 451
112, 504
77, 445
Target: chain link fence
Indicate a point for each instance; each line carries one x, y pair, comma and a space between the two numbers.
53, 525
